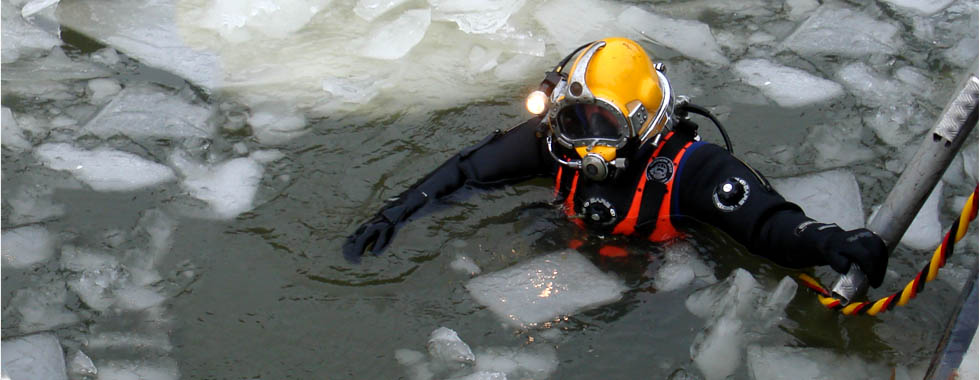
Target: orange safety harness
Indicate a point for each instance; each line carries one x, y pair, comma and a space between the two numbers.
663, 230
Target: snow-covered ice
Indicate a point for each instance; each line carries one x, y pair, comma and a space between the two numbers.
831, 196
547, 287
787, 86
104, 169
36, 356
26, 246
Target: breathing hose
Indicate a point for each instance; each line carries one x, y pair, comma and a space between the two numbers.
686, 106
927, 274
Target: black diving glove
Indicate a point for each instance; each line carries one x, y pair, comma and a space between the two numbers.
373, 234
861, 247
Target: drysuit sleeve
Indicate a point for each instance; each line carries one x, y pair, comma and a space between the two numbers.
501, 158
718, 189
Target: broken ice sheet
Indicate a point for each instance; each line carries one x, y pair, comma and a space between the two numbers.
832, 196
545, 288
148, 111
787, 86
835, 30
34, 357
104, 169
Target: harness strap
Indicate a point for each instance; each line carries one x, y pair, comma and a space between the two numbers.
664, 229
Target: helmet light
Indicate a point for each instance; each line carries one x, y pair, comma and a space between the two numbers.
537, 102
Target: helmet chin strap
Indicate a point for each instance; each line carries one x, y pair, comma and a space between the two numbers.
593, 165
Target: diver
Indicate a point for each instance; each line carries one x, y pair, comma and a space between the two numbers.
627, 160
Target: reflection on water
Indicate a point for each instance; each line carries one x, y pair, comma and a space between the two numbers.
178, 177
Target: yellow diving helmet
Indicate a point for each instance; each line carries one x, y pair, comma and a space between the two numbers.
604, 101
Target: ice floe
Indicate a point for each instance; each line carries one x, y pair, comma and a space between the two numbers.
26, 246
787, 86
449, 357
23, 38
395, 39
545, 288
104, 169
924, 7
689, 37
831, 196
736, 310
229, 187
801, 363
36, 356
836, 30
148, 111
682, 267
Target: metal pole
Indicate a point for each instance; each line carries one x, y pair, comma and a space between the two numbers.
959, 333
937, 150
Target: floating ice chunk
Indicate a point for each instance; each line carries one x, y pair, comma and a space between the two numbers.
779, 363
350, 90
143, 370
482, 60
229, 188
97, 276
235, 20
787, 86
147, 111
137, 297
838, 145
80, 366
831, 196
42, 308
35, 6
267, 156
26, 246
835, 30
484, 16
33, 204
688, 37
371, 9
718, 353
106, 56
102, 89
528, 362
104, 169
36, 356
12, 136
923, 7
395, 39
681, 267
964, 53
158, 341
444, 345
518, 68
56, 66
147, 31
22, 38
738, 292
926, 232
408, 357
800, 8
465, 264
891, 102
556, 284
274, 124
570, 22
483, 375
779, 298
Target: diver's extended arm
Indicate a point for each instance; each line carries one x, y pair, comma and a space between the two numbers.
501, 158
721, 190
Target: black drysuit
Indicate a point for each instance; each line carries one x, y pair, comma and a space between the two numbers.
704, 181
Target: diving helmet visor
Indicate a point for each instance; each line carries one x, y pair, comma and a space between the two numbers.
590, 121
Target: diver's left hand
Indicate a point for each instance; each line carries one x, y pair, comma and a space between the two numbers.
861, 247
373, 234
